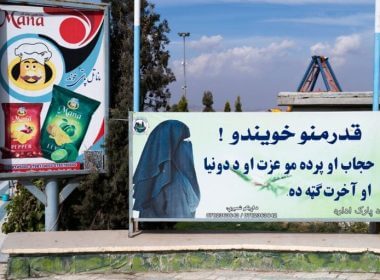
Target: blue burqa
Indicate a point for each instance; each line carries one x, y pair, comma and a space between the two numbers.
165, 183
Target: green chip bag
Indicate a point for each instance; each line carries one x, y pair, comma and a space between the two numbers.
66, 124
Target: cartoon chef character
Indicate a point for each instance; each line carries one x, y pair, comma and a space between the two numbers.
32, 71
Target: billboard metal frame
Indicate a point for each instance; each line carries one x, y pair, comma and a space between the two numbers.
133, 221
51, 197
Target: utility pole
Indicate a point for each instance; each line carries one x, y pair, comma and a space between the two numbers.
184, 35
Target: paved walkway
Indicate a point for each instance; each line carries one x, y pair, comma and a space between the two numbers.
118, 241
221, 275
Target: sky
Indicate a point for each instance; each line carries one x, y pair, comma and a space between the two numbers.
257, 48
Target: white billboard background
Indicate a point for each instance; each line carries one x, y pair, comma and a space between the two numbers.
350, 191
53, 27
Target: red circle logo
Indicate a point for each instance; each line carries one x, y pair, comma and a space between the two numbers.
72, 30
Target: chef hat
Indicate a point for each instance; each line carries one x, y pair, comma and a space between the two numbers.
37, 51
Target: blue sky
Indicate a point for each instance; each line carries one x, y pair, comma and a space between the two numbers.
257, 48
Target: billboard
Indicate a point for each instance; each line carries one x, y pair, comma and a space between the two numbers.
53, 87
255, 166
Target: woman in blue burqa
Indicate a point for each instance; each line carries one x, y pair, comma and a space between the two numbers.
165, 183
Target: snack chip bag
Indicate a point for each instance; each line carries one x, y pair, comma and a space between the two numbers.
22, 133
66, 124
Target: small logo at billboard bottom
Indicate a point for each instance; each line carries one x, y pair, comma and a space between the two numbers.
140, 125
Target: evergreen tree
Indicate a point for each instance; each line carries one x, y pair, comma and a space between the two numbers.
207, 101
154, 58
227, 107
101, 202
238, 106
182, 105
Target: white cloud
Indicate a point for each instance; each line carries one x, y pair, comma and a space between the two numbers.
342, 47
346, 44
320, 48
246, 59
361, 19
206, 42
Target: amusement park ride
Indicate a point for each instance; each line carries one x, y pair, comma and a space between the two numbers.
319, 65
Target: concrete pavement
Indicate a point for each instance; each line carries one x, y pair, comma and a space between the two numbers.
65, 242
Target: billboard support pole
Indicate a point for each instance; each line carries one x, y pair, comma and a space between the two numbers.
51, 198
40, 195
136, 57
51, 208
375, 227
377, 58
133, 225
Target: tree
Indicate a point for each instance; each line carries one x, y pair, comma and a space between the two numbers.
24, 211
182, 105
154, 58
207, 101
238, 106
227, 107
101, 202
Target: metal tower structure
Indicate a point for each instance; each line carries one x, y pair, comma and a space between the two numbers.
319, 65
